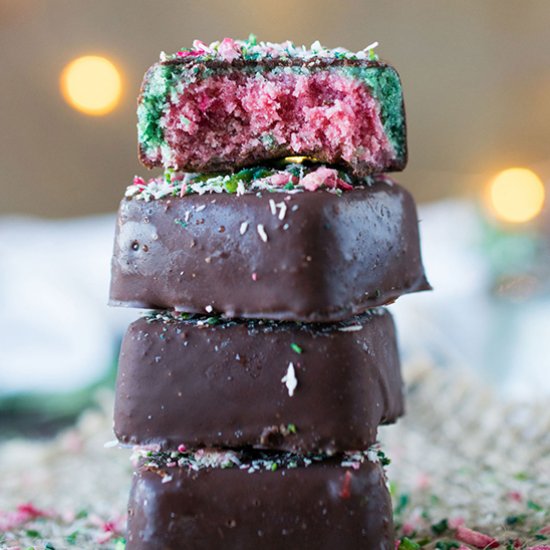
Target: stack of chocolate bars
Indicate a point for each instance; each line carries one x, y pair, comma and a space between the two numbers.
254, 389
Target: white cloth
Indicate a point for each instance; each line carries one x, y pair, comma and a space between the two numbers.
56, 331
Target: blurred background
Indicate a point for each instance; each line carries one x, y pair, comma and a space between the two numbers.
476, 80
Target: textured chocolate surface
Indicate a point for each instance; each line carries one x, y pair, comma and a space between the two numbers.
330, 257
207, 386
173, 78
323, 506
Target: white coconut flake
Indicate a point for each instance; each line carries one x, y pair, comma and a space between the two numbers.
290, 380
261, 232
351, 328
111, 444
243, 228
209, 309
371, 46
167, 479
372, 456
200, 208
282, 210
272, 207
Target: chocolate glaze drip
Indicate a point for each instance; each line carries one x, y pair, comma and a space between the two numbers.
331, 256
220, 386
324, 506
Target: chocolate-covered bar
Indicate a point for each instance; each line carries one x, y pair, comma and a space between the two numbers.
280, 253
238, 103
299, 387
324, 506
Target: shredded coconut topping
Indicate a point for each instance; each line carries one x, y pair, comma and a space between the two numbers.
229, 49
252, 460
261, 231
291, 178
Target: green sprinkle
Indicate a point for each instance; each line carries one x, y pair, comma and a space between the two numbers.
252, 39
212, 321
291, 428
296, 348
120, 544
515, 520
71, 539
408, 544
440, 527
384, 460
49, 546
32, 533
289, 186
273, 466
181, 223
231, 184
521, 476
402, 503
168, 173
534, 506
83, 514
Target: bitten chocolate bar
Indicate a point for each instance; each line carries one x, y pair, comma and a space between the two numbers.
235, 104
298, 387
263, 504
291, 254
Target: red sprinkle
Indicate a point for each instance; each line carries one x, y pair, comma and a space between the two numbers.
188, 53
31, 511
455, 523
475, 538
182, 448
140, 182
345, 491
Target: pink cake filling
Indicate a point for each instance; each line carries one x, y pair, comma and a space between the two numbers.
228, 117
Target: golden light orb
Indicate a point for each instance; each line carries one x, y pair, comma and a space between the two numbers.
516, 195
92, 85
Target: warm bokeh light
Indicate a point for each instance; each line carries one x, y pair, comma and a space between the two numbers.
296, 160
91, 84
516, 195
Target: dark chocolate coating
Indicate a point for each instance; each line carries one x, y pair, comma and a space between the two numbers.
262, 155
321, 507
331, 257
220, 386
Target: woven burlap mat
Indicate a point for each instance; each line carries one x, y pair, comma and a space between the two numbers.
464, 455
461, 456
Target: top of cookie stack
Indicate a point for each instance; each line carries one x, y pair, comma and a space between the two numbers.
223, 119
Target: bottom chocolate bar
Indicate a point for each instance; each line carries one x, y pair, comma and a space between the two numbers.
321, 503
